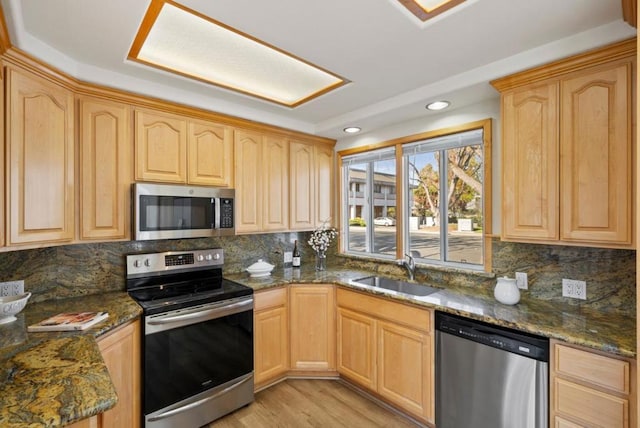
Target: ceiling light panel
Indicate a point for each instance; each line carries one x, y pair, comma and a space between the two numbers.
427, 9
180, 40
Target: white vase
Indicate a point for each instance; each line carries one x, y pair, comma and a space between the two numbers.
506, 291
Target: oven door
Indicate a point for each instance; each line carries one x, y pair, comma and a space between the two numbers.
198, 363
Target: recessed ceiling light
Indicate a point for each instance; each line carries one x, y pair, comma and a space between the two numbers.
174, 38
438, 105
352, 129
427, 9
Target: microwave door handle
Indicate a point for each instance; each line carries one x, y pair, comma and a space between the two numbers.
215, 202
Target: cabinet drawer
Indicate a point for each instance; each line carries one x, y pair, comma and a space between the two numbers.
411, 316
270, 299
593, 368
598, 408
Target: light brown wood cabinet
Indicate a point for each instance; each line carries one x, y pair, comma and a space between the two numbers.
567, 150
105, 152
356, 347
160, 147
262, 182
271, 336
313, 328
121, 353
178, 149
311, 187
210, 156
387, 347
591, 389
40, 158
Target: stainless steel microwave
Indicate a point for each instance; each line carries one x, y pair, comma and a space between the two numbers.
165, 211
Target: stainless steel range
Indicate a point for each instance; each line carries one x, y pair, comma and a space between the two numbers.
198, 337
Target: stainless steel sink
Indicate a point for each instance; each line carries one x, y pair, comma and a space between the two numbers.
396, 285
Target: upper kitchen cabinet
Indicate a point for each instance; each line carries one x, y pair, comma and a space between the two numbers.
210, 156
567, 150
311, 185
40, 159
178, 149
261, 181
104, 143
160, 147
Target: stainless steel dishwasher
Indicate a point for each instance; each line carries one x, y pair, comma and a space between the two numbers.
489, 377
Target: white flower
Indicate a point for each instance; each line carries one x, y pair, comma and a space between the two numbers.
321, 239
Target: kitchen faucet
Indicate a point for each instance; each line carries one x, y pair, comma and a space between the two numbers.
409, 264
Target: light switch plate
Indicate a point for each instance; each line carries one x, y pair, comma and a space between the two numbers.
574, 288
522, 281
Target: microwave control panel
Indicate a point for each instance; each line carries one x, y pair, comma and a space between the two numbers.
226, 213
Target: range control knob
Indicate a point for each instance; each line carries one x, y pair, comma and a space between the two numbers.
139, 262
208, 257
216, 256
200, 258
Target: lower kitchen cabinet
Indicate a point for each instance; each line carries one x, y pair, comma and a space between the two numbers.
386, 347
313, 329
121, 353
271, 336
591, 389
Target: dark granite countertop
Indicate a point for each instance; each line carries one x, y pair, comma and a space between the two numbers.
610, 332
55, 378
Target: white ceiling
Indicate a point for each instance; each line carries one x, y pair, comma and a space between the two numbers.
395, 63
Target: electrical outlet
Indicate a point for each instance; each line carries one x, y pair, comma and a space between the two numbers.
288, 257
522, 281
574, 288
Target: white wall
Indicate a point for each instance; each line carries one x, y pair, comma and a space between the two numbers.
488, 109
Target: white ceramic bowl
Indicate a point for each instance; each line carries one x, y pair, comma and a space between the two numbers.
260, 268
11, 305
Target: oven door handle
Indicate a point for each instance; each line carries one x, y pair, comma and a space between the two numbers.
204, 315
190, 406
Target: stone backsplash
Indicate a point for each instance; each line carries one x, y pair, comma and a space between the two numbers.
81, 269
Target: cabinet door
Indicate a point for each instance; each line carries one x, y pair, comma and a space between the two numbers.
530, 163
271, 345
40, 152
356, 347
275, 176
161, 147
596, 156
404, 369
248, 181
313, 331
324, 185
210, 161
121, 354
105, 169
302, 190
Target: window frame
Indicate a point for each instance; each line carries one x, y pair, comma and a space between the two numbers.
401, 196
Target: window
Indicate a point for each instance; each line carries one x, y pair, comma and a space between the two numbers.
433, 209
365, 201
444, 177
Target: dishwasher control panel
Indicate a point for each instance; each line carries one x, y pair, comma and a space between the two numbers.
509, 340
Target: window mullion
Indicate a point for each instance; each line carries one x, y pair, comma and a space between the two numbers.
444, 209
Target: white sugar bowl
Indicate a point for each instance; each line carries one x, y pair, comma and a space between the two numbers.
259, 269
506, 291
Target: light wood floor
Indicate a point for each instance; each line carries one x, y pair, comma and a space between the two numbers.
303, 403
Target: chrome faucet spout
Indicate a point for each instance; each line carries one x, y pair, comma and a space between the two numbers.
409, 264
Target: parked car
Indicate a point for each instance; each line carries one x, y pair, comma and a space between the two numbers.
384, 221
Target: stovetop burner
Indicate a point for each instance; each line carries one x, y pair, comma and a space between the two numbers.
167, 281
